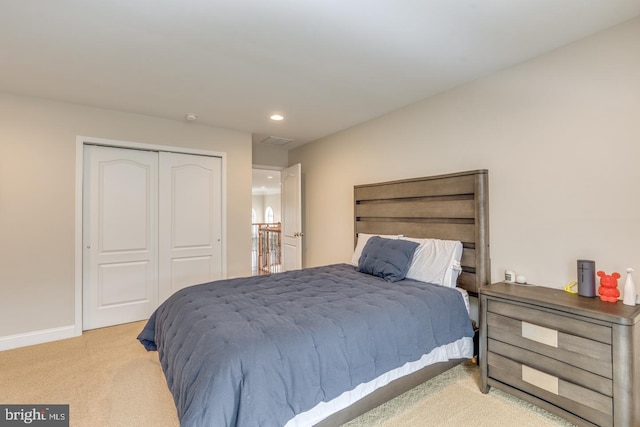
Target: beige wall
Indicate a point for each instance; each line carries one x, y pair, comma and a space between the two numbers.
267, 155
560, 136
37, 199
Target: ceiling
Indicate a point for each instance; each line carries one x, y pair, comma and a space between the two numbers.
325, 65
265, 182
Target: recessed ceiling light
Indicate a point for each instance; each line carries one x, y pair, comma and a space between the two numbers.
191, 116
277, 117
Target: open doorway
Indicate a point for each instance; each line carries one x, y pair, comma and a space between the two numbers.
266, 219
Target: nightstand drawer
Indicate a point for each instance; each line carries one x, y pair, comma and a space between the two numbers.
557, 368
554, 321
581, 401
574, 350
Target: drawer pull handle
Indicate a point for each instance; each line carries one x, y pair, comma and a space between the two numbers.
540, 379
540, 334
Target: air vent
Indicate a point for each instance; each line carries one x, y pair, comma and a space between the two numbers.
275, 140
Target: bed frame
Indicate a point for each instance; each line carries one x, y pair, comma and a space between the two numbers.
449, 207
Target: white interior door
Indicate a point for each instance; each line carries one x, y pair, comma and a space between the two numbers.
190, 221
120, 236
291, 179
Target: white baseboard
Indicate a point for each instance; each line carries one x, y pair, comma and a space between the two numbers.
37, 337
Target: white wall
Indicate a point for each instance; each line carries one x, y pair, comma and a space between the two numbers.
260, 204
37, 199
273, 201
257, 203
560, 136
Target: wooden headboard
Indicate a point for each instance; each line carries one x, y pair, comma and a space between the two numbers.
449, 207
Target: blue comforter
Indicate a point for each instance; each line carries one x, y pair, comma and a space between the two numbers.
257, 351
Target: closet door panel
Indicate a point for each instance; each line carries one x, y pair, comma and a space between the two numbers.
190, 221
120, 235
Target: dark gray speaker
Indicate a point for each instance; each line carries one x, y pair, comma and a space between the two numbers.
586, 278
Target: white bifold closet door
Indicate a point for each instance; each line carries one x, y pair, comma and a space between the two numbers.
151, 226
190, 221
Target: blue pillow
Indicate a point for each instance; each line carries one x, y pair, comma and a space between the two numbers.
387, 258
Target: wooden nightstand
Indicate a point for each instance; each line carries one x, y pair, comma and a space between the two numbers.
574, 356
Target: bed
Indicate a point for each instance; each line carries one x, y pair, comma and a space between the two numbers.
322, 345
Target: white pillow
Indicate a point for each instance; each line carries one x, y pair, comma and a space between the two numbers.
436, 261
362, 240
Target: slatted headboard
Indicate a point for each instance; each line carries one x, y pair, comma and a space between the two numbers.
449, 207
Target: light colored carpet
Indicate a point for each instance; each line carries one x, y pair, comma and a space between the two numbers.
454, 399
109, 379
105, 375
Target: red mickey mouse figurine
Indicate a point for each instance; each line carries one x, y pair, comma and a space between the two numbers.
608, 289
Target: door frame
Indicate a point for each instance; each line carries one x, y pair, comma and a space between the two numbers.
81, 141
